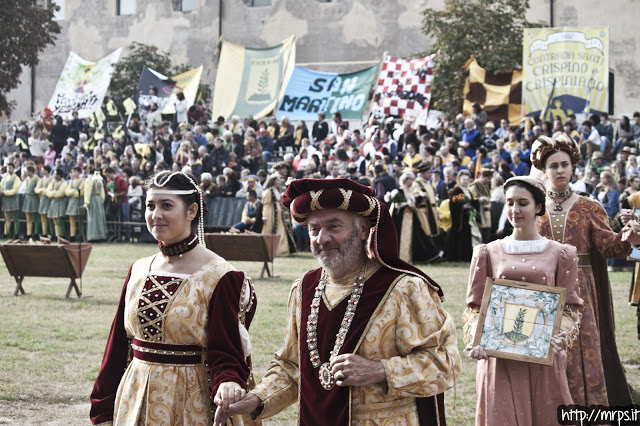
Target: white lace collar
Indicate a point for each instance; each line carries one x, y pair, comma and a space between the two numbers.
511, 245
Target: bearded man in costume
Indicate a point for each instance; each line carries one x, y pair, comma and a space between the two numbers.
367, 338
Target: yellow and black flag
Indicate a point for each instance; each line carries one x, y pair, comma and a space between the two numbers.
500, 95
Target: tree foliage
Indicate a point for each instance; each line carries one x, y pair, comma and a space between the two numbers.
126, 76
489, 29
27, 29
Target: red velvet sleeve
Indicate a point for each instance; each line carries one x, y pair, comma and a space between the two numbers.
114, 363
224, 348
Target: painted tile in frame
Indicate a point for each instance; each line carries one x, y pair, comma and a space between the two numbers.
517, 320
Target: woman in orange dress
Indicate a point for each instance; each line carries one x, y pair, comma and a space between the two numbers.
595, 373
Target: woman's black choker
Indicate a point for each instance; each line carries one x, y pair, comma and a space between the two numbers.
178, 249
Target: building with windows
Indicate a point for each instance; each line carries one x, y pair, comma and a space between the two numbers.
331, 35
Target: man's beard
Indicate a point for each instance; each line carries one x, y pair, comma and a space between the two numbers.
348, 254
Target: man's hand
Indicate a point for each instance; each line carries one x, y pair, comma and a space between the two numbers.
247, 405
354, 370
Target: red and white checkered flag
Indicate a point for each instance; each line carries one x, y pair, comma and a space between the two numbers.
403, 85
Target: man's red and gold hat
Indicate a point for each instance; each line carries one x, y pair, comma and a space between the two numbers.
304, 196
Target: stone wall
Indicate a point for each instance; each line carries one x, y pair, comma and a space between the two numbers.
329, 34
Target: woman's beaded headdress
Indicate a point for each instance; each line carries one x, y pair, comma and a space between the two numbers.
544, 146
156, 181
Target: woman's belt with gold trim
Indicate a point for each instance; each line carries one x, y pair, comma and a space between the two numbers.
166, 353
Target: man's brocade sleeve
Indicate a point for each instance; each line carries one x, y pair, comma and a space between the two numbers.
14, 188
425, 336
279, 387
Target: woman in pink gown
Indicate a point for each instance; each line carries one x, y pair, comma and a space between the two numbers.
517, 392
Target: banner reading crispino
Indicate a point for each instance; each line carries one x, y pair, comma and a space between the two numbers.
250, 81
566, 68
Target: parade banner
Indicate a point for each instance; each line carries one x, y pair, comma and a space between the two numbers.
310, 92
82, 85
187, 83
404, 86
565, 71
250, 81
500, 95
153, 88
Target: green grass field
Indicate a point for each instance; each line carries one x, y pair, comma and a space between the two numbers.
51, 347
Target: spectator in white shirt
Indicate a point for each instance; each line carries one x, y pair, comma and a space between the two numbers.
37, 145
590, 137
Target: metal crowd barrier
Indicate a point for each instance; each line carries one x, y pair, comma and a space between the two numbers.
223, 213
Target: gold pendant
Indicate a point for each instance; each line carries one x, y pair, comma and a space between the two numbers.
326, 376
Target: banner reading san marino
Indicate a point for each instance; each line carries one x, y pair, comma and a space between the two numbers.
250, 81
310, 92
565, 71
82, 85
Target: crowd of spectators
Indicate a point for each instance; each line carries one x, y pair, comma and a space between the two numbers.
231, 157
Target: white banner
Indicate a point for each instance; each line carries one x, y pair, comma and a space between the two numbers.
82, 85
566, 37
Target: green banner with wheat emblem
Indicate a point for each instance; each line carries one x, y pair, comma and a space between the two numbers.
250, 81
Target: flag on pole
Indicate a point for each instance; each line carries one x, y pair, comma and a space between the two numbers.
82, 85
404, 86
547, 107
250, 81
310, 92
187, 83
153, 88
500, 95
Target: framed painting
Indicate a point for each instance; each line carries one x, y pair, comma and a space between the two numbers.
517, 320
634, 256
